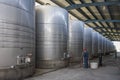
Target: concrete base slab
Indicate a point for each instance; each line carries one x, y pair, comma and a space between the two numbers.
110, 71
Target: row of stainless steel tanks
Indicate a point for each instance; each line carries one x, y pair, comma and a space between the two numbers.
48, 44
58, 38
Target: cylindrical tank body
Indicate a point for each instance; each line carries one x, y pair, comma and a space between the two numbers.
17, 39
75, 40
94, 43
100, 44
87, 41
52, 33
108, 46
104, 44
112, 49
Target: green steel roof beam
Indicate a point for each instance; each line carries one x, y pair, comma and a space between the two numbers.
90, 21
75, 6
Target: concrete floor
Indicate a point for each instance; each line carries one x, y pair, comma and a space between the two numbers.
110, 71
